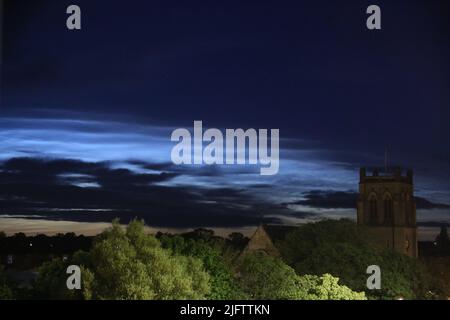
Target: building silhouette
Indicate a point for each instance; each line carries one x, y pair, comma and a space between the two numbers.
387, 208
266, 237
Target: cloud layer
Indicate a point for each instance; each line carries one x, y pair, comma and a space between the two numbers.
84, 169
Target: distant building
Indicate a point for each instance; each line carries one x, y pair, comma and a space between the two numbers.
265, 237
386, 206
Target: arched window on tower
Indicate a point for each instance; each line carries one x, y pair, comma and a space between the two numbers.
373, 210
388, 210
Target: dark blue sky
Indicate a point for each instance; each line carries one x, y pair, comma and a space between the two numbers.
338, 92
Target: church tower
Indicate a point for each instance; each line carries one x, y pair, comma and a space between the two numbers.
386, 206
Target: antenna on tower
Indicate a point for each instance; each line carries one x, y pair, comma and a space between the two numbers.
386, 159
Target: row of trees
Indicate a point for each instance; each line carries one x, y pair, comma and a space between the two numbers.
41, 244
324, 260
130, 264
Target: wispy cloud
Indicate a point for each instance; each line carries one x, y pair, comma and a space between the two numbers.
112, 167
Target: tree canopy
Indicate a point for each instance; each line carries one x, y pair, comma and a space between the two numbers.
324, 260
267, 277
129, 264
217, 260
345, 250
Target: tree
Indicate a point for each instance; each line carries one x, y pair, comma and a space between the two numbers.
237, 240
128, 265
345, 250
267, 277
222, 282
51, 281
132, 265
325, 287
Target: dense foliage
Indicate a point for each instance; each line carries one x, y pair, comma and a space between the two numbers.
128, 265
345, 250
217, 261
266, 277
324, 260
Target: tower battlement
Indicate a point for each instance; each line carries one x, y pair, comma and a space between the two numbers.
379, 174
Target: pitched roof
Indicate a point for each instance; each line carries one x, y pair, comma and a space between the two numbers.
266, 237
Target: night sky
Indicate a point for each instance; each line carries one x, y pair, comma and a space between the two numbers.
86, 116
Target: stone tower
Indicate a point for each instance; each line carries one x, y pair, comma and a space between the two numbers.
386, 206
